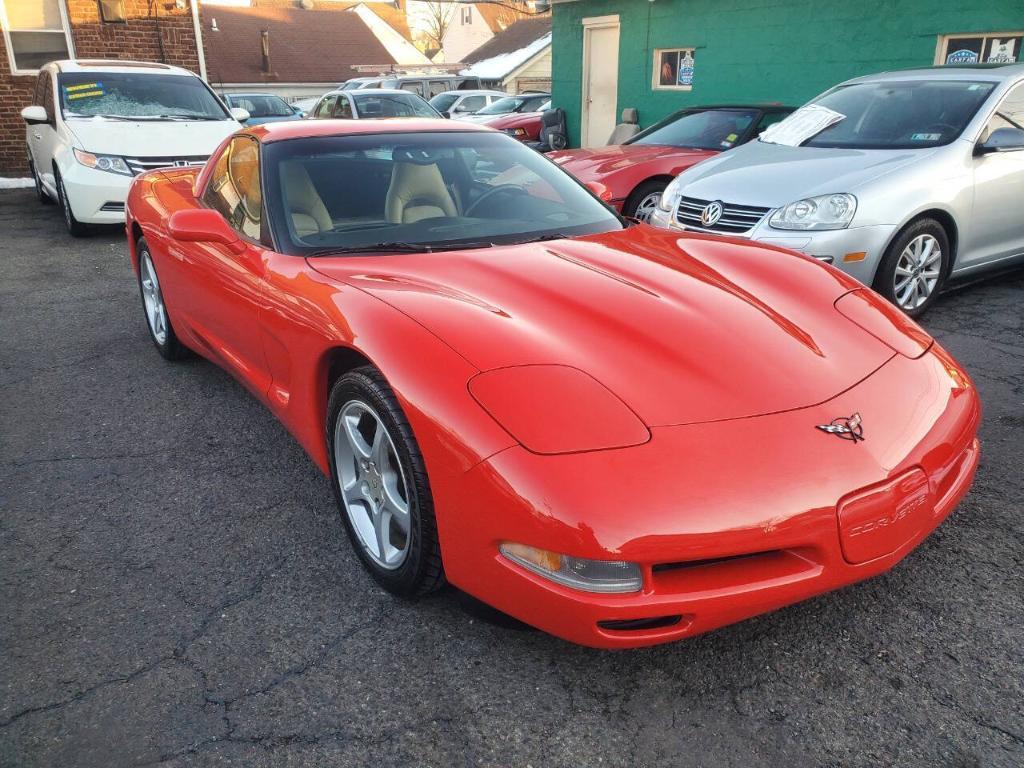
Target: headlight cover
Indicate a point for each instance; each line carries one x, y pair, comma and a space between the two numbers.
605, 576
670, 197
823, 212
109, 163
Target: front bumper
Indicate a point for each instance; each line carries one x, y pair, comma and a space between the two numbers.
724, 523
96, 197
857, 251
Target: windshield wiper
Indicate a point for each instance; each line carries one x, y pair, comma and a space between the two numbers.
400, 247
191, 117
542, 238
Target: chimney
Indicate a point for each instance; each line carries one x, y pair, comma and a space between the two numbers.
265, 50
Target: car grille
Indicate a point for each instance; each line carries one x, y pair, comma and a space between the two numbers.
142, 164
736, 219
112, 207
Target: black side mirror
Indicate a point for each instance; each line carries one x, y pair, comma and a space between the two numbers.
1001, 140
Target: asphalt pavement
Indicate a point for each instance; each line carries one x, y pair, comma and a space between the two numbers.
176, 587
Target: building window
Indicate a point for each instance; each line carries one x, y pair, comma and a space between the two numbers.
673, 69
987, 48
112, 11
36, 32
467, 15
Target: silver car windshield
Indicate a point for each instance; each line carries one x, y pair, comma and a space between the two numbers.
900, 115
372, 105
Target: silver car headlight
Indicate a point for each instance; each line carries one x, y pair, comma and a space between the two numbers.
833, 211
670, 197
607, 576
109, 163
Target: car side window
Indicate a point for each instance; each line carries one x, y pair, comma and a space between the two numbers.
1009, 113
325, 107
48, 98
472, 103
344, 109
413, 87
234, 189
768, 119
436, 87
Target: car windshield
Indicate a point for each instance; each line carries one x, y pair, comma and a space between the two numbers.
135, 95
512, 104
699, 128
373, 105
442, 101
422, 191
900, 115
262, 105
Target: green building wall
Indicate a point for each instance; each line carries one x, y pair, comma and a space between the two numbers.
761, 50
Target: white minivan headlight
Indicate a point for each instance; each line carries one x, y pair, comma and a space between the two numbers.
833, 211
670, 197
109, 163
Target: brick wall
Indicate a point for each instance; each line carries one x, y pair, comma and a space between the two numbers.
166, 36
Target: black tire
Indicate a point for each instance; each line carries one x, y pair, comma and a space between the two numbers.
41, 194
169, 348
421, 572
638, 195
74, 226
886, 281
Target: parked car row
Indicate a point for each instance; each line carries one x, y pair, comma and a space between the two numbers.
902, 180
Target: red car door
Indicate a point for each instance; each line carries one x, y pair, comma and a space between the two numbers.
223, 283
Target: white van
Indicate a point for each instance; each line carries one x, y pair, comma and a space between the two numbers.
93, 125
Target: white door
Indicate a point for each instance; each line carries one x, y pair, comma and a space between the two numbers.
600, 79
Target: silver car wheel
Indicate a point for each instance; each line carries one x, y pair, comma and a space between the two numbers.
917, 272
372, 483
153, 299
645, 208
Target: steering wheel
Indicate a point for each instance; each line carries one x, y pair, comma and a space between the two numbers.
498, 190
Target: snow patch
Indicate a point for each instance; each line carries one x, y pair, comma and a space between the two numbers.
16, 183
497, 67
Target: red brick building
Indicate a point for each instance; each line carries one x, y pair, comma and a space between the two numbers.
37, 31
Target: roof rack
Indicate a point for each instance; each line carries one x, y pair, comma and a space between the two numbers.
119, 63
394, 69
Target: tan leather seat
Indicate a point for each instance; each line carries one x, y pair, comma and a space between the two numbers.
308, 212
417, 192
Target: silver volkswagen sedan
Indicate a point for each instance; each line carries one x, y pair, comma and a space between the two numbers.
917, 176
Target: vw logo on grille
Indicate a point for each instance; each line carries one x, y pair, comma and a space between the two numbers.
711, 214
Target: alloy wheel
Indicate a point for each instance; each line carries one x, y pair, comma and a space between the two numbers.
373, 484
917, 272
645, 208
153, 299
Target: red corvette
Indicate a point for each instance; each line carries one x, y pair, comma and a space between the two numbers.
622, 436
637, 172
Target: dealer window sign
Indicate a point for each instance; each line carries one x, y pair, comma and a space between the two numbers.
673, 68
989, 48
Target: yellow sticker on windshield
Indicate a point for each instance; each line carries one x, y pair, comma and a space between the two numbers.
83, 87
72, 96
732, 137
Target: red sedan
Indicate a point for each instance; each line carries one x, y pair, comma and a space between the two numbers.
637, 172
622, 436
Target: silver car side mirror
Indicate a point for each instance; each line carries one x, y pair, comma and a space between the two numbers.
1001, 140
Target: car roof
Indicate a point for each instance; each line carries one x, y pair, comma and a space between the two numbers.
254, 93
117, 65
307, 129
987, 72
471, 92
371, 91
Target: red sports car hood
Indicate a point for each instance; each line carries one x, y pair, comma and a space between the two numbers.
683, 328
599, 162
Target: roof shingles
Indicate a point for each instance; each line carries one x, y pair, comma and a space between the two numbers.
306, 46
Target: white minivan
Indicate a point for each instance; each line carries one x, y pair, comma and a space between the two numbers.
94, 125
